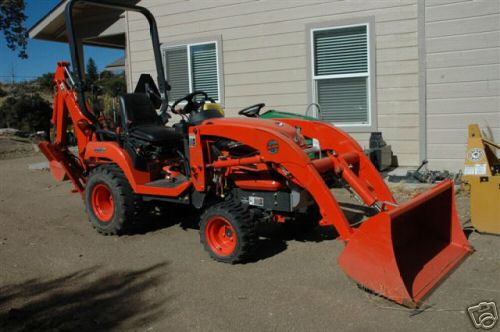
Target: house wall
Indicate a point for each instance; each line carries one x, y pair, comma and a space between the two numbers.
462, 42
264, 53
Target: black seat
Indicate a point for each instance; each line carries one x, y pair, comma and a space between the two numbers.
140, 120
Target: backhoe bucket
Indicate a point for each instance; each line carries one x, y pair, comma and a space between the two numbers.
403, 253
56, 167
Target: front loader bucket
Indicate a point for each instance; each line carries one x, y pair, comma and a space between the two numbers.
402, 254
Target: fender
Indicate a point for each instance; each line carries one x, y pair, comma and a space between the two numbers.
102, 152
105, 152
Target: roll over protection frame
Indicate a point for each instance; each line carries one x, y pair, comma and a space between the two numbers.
76, 55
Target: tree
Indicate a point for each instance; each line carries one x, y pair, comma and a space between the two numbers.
45, 81
12, 25
92, 74
9, 116
106, 74
3, 93
26, 113
114, 85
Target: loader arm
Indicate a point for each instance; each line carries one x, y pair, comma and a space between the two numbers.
290, 160
402, 252
332, 138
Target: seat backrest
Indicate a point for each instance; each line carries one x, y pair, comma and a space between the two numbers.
137, 110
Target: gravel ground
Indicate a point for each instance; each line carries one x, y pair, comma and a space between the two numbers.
15, 147
58, 274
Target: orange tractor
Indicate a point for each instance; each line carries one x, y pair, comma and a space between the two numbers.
244, 171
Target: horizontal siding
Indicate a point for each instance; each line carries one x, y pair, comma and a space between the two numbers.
461, 121
465, 26
464, 58
270, 76
397, 94
400, 121
270, 52
463, 76
270, 22
488, 72
486, 88
272, 101
264, 88
453, 106
447, 151
463, 42
397, 81
296, 62
397, 54
398, 107
237, 15
400, 135
434, 3
397, 67
457, 136
264, 54
462, 10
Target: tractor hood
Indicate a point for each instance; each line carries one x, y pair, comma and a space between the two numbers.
274, 125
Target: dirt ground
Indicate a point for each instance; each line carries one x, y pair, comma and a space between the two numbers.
15, 147
58, 274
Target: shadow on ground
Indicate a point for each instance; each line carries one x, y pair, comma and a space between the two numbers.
273, 237
165, 216
86, 300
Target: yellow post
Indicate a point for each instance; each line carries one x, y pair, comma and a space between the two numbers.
482, 177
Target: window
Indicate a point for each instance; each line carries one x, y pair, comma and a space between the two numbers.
341, 74
193, 67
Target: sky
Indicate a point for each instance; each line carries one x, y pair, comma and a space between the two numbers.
44, 55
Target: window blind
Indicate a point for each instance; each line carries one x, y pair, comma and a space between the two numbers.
343, 100
177, 72
341, 51
204, 69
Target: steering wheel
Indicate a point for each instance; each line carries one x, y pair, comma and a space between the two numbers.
192, 105
252, 111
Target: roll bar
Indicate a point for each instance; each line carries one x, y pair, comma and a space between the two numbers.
76, 56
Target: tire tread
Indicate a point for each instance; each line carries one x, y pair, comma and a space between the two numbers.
128, 210
242, 220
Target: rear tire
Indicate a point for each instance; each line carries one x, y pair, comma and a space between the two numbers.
110, 202
228, 232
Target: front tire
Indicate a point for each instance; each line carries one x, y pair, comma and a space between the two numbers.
227, 232
110, 202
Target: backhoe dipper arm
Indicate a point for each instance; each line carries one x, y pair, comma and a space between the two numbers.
63, 163
66, 105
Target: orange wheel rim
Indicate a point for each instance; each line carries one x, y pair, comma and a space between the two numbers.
102, 202
220, 235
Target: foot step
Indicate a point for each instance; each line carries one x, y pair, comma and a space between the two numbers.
170, 183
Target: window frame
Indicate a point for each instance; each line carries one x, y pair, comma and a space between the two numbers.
217, 40
369, 23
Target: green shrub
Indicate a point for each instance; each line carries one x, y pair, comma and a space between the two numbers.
26, 112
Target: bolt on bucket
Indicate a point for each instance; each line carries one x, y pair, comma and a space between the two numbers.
403, 253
